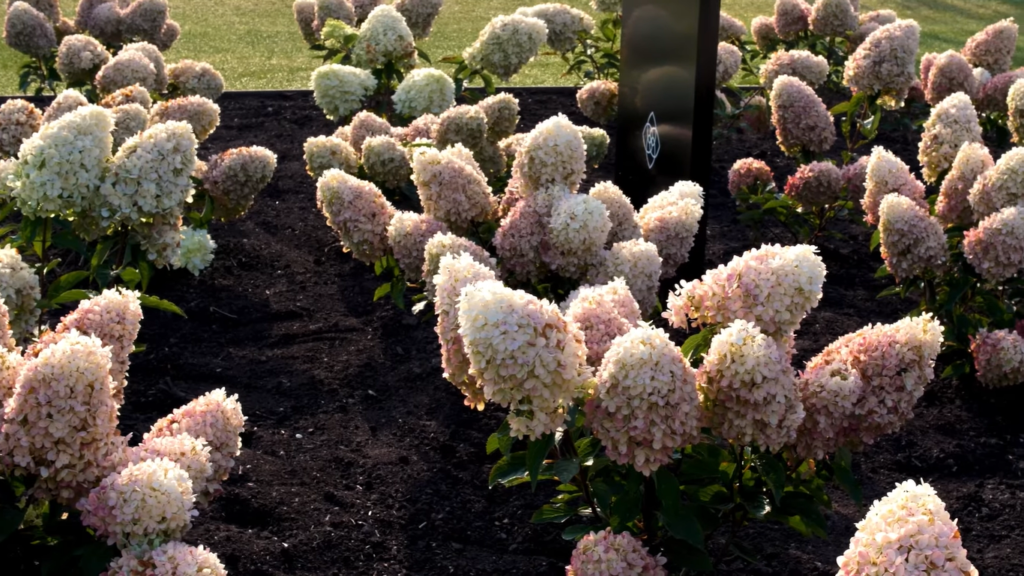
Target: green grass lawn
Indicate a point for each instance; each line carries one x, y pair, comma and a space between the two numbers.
256, 44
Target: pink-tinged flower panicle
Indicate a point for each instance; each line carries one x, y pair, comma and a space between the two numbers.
419, 15
638, 263
833, 18
170, 559
201, 113
80, 57
885, 63
190, 453
386, 162
998, 357
815, 185
455, 272
1015, 111
949, 73
762, 28
142, 506
995, 248
525, 355
442, 244
523, 240
953, 208
191, 78
908, 531
645, 405
993, 47
747, 173
620, 210
855, 176
670, 220
19, 120
952, 123
234, 178
880, 17
1000, 186
791, 18
749, 388
126, 69
806, 66
502, 114
994, 96
773, 286
802, 122
325, 152
887, 174
599, 100
451, 186
134, 94
608, 554
61, 423
829, 393
730, 29
214, 417
358, 213
913, 242
65, 103
28, 31
603, 313
729, 60
564, 24
408, 234
577, 231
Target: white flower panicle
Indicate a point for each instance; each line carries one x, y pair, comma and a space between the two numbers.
552, 154
1015, 111
65, 102
126, 69
201, 113
340, 90
358, 213
325, 152
998, 357
170, 559
386, 162
730, 29
502, 113
564, 24
524, 354
670, 220
953, 206
442, 244
19, 290
762, 28
451, 186
80, 57
887, 174
191, 78
749, 388
912, 241
129, 120
597, 142
152, 53
645, 405
19, 120
620, 210
424, 91
160, 238
773, 286
506, 44
952, 123
578, 231
606, 553
729, 60
1000, 186
195, 252
908, 531
791, 18
384, 37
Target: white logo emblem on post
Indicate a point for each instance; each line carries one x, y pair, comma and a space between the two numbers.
652, 142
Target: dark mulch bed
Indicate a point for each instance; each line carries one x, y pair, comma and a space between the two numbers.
360, 458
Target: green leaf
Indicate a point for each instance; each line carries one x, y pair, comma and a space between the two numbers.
876, 239
131, 276
566, 470
679, 520
72, 296
842, 108
382, 291
65, 283
882, 271
160, 304
773, 472
802, 514
587, 448
682, 554
553, 513
842, 462
508, 468
398, 292
890, 291
536, 452
698, 344
576, 532
11, 517
957, 369
101, 253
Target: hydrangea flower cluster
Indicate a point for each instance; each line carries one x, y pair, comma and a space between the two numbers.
408, 234
19, 289
993, 47
1000, 186
126, 69
134, 94
455, 272
384, 37
952, 123
304, 12
620, 211
506, 44
60, 168
801, 120
195, 252
749, 388
729, 60
772, 286
525, 355
995, 248
730, 29
834, 18
553, 153
762, 28
340, 90
358, 213
596, 142
325, 152
887, 174
885, 63
638, 263
233, 178
610, 6
912, 240
564, 24
129, 120
608, 554
953, 207
422, 128
28, 31
816, 184
442, 244
419, 15
1015, 111
502, 114
577, 231
747, 173
386, 162
866, 383
424, 91
908, 531
451, 186
160, 238
333, 10
855, 177
191, 454
80, 57
65, 102
994, 95
365, 124
670, 220
151, 53
791, 18
998, 357
806, 66
61, 423
466, 125
142, 506
880, 17
216, 418
603, 313
170, 559
201, 113
191, 78
599, 100
645, 404
948, 74
19, 120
